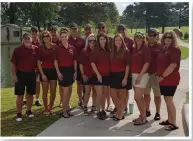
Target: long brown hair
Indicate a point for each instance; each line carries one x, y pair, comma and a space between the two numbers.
174, 40
121, 52
107, 45
143, 44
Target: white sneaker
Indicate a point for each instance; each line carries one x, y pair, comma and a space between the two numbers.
29, 114
19, 117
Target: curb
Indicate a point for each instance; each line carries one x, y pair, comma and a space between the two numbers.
185, 118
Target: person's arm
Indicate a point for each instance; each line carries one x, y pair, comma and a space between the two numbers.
95, 68
81, 69
13, 66
56, 66
144, 70
13, 70
75, 65
39, 63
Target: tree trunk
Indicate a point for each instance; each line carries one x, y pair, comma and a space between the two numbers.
163, 27
44, 26
180, 19
12, 11
38, 25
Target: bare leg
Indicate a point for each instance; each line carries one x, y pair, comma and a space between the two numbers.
52, 93
45, 87
19, 103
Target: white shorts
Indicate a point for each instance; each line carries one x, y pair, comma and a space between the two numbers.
143, 82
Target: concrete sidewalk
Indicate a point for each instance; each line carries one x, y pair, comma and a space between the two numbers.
81, 125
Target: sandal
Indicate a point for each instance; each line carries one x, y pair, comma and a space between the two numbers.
157, 116
137, 118
148, 113
93, 108
141, 121
65, 115
117, 119
114, 111
171, 127
164, 123
109, 109
85, 111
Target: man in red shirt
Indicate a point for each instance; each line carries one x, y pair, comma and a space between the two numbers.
23, 66
87, 31
129, 43
155, 49
79, 43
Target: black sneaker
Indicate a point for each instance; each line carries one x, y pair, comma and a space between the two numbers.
37, 103
114, 111
157, 116
29, 114
85, 111
148, 113
24, 102
103, 115
19, 117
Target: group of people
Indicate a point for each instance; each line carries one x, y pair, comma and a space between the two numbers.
104, 66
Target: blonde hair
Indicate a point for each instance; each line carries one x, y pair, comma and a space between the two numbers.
174, 36
87, 39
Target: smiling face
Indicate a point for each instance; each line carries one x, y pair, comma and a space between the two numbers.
54, 35
46, 38
101, 30
118, 42
87, 31
74, 31
34, 34
102, 41
168, 39
152, 38
139, 40
27, 41
64, 37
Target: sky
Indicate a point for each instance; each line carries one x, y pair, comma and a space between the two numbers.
121, 6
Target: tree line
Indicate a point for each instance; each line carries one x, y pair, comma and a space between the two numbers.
137, 15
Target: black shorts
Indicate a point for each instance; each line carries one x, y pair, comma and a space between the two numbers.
26, 81
50, 74
89, 82
116, 81
78, 78
105, 80
168, 90
68, 76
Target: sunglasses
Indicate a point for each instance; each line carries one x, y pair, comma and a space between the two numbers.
168, 37
46, 36
151, 35
91, 41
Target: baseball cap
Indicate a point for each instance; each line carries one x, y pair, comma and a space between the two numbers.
153, 31
139, 34
27, 35
101, 24
34, 28
121, 26
73, 25
53, 28
64, 29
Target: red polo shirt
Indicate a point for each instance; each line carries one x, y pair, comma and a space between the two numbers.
77, 42
155, 51
129, 43
165, 58
57, 42
84, 59
25, 58
118, 64
37, 43
47, 56
102, 60
65, 56
139, 58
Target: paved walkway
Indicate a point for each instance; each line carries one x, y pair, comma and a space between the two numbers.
81, 125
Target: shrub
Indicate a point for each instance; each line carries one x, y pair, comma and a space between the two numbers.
186, 35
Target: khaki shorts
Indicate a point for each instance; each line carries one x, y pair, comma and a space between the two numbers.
153, 84
143, 82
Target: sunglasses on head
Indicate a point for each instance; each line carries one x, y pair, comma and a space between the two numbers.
168, 37
46, 36
91, 41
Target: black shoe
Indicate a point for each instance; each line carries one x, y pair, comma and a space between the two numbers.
19, 117
85, 111
37, 103
157, 116
65, 115
29, 114
24, 102
69, 108
148, 113
126, 111
114, 111
103, 115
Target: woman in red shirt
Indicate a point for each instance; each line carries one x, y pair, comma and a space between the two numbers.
66, 68
48, 76
119, 68
100, 62
168, 75
140, 76
87, 72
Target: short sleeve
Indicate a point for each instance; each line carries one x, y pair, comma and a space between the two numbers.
14, 56
93, 56
127, 57
175, 56
146, 55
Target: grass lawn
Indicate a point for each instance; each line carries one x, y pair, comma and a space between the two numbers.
9, 126
184, 52
187, 41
